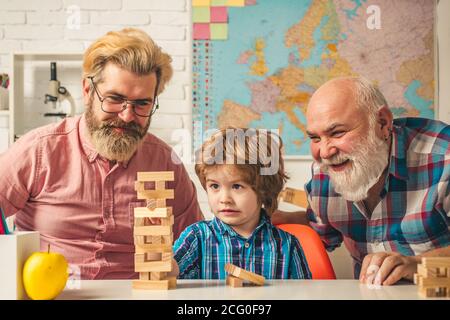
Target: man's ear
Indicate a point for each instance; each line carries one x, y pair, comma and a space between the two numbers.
384, 118
86, 87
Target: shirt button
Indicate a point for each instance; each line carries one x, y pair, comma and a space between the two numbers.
247, 245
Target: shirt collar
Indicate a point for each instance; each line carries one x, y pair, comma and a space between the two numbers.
225, 228
88, 147
397, 160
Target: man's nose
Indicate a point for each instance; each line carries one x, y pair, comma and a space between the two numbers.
327, 150
127, 114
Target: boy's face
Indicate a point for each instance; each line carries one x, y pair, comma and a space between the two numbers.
232, 200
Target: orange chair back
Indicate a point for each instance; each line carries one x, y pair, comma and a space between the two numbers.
316, 255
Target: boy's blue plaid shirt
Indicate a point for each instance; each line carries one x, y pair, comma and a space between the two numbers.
204, 248
413, 214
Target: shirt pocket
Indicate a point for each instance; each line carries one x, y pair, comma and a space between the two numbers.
132, 205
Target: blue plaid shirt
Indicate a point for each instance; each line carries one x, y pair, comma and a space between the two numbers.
412, 216
204, 248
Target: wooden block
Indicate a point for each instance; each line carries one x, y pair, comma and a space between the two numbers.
436, 262
139, 240
161, 203
143, 248
153, 256
424, 292
172, 282
143, 212
234, 282
147, 256
154, 284
156, 176
160, 185
156, 194
426, 272
168, 221
139, 186
167, 239
153, 266
434, 292
151, 204
158, 275
244, 274
144, 275
294, 196
153, 231
166, 256
443, 272
155, 240
435, 282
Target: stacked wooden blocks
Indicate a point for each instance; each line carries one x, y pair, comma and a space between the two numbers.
153, 243
433, 277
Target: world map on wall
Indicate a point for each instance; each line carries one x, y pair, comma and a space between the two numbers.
270, 57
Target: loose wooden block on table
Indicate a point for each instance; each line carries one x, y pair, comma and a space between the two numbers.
244, 274
234, 282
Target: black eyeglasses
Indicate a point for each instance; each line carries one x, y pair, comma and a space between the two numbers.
116, 104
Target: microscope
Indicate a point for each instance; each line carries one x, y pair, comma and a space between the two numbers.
56, 92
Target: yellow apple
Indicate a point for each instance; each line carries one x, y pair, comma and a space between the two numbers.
45, 275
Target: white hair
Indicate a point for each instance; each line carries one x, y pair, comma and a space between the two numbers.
368, 97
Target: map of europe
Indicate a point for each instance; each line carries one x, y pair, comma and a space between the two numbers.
277, 53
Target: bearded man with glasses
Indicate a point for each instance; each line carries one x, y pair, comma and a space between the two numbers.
74, 181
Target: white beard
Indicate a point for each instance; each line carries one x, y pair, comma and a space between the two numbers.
367, 163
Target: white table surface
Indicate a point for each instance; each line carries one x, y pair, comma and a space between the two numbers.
217, 290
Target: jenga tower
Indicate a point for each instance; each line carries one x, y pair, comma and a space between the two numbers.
433, 277
153, 243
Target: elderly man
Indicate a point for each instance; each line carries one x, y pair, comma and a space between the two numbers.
378, 184
74, 181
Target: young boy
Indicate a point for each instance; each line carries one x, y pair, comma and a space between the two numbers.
243, 174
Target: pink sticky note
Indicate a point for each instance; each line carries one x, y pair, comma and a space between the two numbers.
201, 31
219, 14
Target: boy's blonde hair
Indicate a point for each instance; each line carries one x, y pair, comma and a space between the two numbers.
131, 49
242, 148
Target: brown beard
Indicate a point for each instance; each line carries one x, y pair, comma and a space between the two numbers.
110, 144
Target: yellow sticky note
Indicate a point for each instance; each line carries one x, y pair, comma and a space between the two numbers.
201, 3
201, 14
236, 3
219, 31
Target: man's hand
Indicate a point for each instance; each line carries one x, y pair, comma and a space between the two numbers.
386, 268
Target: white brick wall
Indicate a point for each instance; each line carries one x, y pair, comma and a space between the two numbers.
47, 26
27, 5
53, 18
12, 17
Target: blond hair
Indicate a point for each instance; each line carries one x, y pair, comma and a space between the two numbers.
131, 49
219, 148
